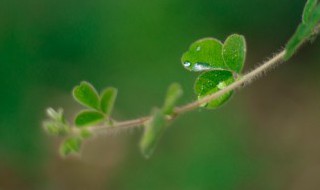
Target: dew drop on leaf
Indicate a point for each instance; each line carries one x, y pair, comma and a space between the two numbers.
186, 64
204, 55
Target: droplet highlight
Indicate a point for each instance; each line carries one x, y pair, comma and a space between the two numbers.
201, 67
187, 64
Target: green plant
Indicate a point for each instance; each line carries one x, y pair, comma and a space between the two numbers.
220, 66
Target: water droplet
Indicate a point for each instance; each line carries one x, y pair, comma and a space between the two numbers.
198, 48
187, 64
201, 67
221, 85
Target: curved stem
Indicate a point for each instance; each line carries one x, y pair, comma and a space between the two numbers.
122, 124
245, 79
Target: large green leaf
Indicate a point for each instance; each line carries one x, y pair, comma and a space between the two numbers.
211, 82
173, 94
153, 131
108, 98
86, 95
204, 54
70, 145
234, 52
88, 117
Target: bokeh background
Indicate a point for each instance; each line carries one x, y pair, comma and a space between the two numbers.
266, 137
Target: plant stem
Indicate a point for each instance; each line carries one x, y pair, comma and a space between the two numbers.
244, 80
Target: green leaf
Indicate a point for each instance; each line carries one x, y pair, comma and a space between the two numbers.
70, 145
86, 95
211, 82
56, 125
308, 10
55, 128
56, 115
173, 94
108, 98
152, 133
85, 134
314, 18
234, 52
303, 33
88, 117
203, 55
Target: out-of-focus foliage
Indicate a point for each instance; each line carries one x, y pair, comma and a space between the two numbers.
47, 47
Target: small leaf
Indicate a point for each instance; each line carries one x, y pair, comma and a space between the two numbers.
86, 95
85, 134
211, 82
234, 52
87, 117
108, 98
302, 33
152, 133
308, 10
314, 17
173, 94
70, 145
56, 115
55, 128
203, 55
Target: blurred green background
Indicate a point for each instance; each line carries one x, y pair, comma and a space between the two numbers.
266, 137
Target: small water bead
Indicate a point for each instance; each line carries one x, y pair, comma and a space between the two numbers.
186, 64
202, 67
204, 55
222, 85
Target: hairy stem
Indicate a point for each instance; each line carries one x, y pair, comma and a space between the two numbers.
245, 79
